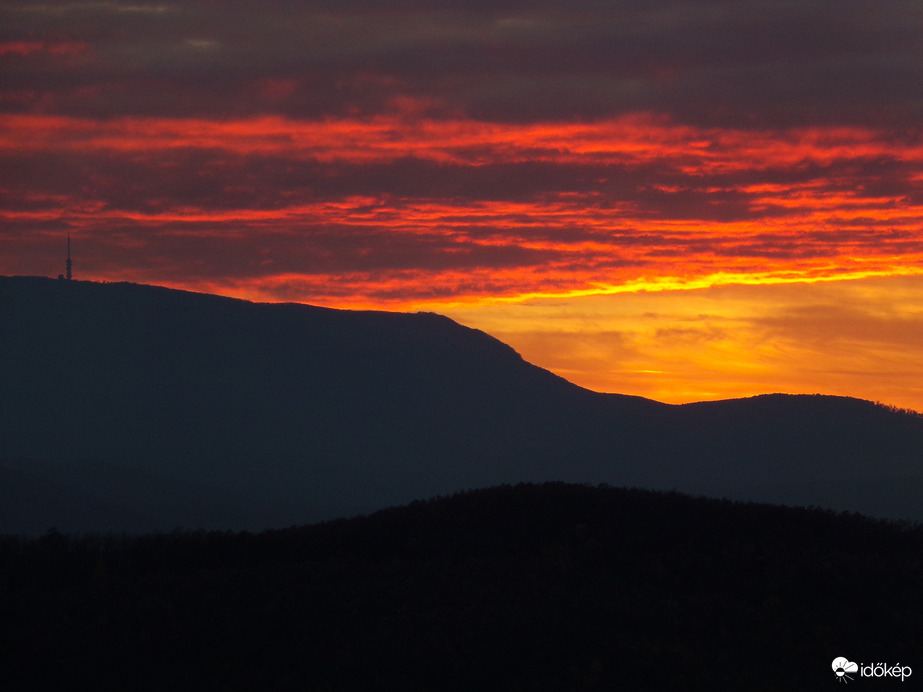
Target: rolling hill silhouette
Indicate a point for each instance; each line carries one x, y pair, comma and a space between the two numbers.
528, 587
130, 407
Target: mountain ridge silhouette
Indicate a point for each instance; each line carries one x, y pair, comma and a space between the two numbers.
132, 407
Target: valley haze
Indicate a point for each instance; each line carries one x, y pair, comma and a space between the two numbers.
127, 407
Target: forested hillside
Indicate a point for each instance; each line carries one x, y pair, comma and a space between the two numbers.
526, 587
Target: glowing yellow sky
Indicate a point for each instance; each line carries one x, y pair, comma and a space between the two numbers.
852, 338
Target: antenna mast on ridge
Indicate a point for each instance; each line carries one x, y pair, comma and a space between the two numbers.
68, 256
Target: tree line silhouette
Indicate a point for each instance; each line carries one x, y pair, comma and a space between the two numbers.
527, 587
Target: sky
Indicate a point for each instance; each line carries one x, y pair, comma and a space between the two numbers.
684, 200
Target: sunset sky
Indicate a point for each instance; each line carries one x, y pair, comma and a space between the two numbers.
683, 200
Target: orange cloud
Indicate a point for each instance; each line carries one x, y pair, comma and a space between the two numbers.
632, 138
56, 48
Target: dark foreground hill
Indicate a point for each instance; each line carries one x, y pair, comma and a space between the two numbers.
554, 587
129, 407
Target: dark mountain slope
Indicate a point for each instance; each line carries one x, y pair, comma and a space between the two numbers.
160, 408
553, 587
